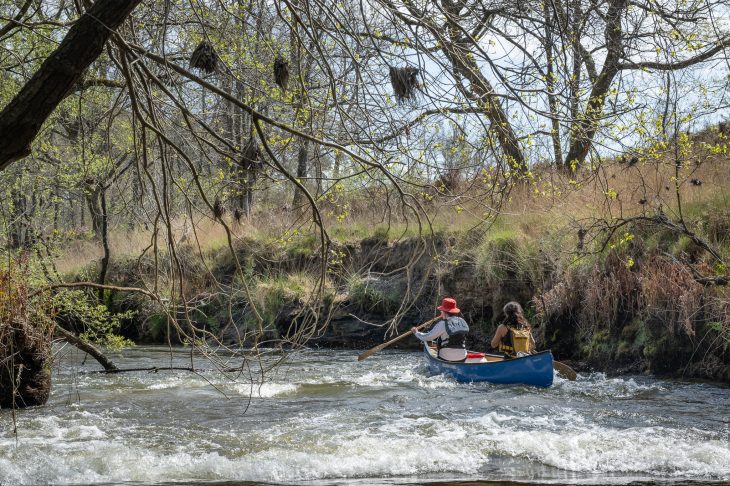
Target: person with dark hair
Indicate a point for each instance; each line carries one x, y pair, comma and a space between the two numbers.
514, 336
449, 332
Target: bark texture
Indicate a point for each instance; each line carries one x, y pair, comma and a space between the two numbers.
22, 118
88, 348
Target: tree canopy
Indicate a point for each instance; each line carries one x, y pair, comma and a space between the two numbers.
165, 114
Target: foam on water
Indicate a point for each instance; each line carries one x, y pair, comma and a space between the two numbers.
78, 453
354, 455
575, 445
264, 390
342, 420
597, 385
403, 376
172, 382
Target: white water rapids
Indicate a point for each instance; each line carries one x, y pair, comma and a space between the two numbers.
321, 417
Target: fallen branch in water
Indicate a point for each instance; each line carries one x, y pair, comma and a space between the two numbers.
155, 369
86, 347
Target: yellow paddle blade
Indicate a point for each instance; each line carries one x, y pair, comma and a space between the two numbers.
369, 352
565, 371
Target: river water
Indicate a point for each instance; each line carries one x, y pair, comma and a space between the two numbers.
322, 418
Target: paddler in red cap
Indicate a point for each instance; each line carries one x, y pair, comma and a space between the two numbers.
449, 332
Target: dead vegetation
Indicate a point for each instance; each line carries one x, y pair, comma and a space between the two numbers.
405, 82
204, 57
26, 330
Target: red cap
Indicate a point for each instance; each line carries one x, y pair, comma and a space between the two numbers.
449, 305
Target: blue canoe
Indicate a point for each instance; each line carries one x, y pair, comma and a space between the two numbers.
535, 369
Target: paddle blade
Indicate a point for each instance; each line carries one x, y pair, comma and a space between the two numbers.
369, 353
565, 371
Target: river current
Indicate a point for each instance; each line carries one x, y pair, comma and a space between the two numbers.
323, 418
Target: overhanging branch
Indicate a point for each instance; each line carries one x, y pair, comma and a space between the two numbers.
22, 118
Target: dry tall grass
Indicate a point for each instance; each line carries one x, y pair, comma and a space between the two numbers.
638, 184
208, 235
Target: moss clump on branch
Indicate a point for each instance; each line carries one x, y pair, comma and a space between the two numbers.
252, 157
281, 72
405, 83
204, 57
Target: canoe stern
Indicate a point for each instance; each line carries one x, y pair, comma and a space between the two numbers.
535, 369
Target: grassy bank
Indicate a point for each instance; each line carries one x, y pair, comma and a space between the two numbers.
621, 267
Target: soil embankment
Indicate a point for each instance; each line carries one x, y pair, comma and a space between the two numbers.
631, 309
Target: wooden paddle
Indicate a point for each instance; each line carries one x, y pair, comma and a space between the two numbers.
380, 347
565, 371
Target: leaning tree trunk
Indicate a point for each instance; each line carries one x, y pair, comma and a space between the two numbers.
21, 119
25, 345
88, 348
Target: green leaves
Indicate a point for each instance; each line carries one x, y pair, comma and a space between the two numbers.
99, 325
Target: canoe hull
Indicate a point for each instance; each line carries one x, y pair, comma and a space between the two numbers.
536, 370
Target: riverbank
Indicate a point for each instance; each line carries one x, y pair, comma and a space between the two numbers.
620, 269
634, 308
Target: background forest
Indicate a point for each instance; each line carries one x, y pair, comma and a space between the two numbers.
282, 173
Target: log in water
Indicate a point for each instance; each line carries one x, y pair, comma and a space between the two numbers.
322, 417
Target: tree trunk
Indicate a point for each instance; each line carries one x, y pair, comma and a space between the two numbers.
23, 117
93, 201
318, 175
82, 217
586, 125
105, 244
339, 156
56, 208
20, 229
302, 157
459, 53
25, 364
550, 86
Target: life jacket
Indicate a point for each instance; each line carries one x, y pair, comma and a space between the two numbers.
457, 329
515, 341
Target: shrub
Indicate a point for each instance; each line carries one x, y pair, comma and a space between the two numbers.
272, 296
95, 323
302, 246
156, 327
497, 258
671, 295
717, 227
375, 295
26, 332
